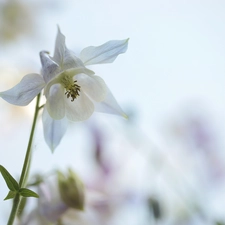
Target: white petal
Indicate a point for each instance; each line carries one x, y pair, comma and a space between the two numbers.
80, 109
25, 91
50, 205
54, 130
49, 67
71, 61
109, 105
55, 102
65, 58
105, 53
34, 218
93, 86
59, 48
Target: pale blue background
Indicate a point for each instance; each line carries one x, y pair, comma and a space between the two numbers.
174, 65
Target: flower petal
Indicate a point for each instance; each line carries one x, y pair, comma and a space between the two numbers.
55, 102
105, 53
53, 129
33, 218
49, 67
25, 91
70, 60
59, 48
65, 58
50, 205
110, 105
80, 109
93, 86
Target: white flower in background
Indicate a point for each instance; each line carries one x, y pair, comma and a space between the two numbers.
72, 91
50, 206
63, 203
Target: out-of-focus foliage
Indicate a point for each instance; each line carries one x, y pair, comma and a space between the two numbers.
15, 20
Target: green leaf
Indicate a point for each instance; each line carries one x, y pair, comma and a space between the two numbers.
10, 195
37, 179
220, 223
28, 193
10, 181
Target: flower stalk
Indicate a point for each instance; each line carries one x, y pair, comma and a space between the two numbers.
14, 210
26, 165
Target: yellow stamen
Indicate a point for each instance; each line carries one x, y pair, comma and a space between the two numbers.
72, 89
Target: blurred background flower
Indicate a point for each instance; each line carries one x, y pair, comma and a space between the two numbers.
166, 164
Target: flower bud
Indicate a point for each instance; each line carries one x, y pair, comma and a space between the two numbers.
71, 190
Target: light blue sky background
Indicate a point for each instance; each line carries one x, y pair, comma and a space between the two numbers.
174, 64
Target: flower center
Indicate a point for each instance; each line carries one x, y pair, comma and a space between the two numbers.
72, 89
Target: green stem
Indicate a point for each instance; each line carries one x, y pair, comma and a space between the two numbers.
16, 202
26, 166
28, 153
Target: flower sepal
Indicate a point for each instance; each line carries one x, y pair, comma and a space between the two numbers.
71, 190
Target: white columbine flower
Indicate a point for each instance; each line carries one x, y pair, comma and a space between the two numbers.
72, 91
